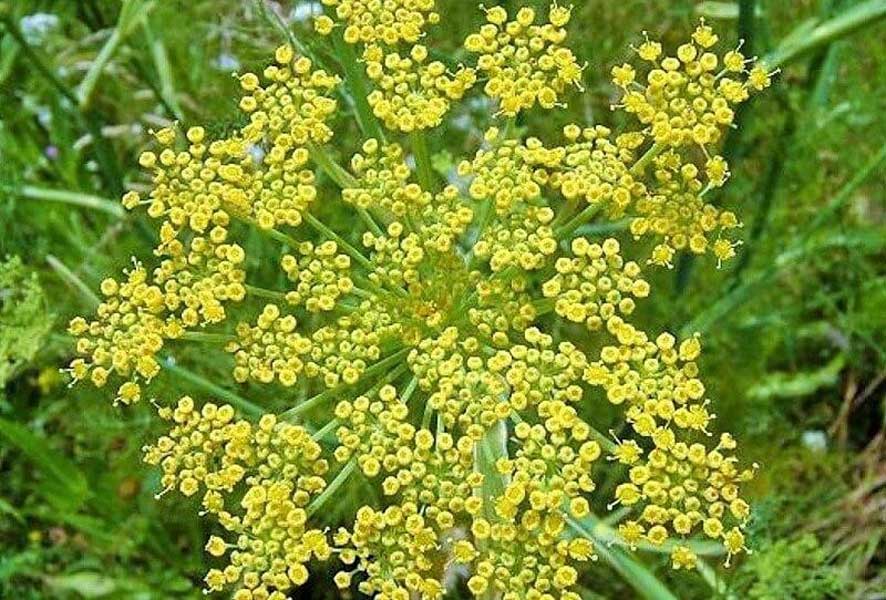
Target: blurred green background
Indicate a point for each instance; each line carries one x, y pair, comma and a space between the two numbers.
794, 328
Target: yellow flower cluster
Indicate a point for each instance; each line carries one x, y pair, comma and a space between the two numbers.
525, 64
376, 431
676, 212
688, 98
294, 106
258, 481
411, 93
126, 336
321, 276
432, 317
596, 170
272, 350
681, 485
595, 285
373, 21
399, 549
382, 181
522, 551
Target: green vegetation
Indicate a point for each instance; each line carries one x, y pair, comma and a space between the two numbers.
795, 325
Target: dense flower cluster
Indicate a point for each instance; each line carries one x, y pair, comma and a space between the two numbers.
525, 64
452, 339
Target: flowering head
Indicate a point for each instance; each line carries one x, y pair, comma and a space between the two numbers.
452, 338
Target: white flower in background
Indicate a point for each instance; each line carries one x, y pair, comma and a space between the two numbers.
815, 440
36, 27
304, 11
226, 62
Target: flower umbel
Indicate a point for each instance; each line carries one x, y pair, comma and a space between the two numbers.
449, 342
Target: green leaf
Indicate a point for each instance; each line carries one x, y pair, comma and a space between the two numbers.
634, 573
717, 10
87, 584
797, 384
64, 486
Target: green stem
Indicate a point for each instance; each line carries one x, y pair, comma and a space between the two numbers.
804, 39
632, 571
348, 248
335, 171
131, 13
577, 221
67, 197
343, 180
234, 399
333, 487
211, 338
325, 430
422, 160
71, 279
164, 70
355, 81
324, 395
639, 167
263, 293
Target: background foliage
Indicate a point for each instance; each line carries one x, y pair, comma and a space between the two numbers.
795, 327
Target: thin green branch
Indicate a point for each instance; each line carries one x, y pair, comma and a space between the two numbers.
219, 392
132, 13
333, 487
343, 180
331, 392
422, 160
811, 35
582, 218
259, 292
330, 234
69, 277
81, 199
639, 167
358, 86
206, 337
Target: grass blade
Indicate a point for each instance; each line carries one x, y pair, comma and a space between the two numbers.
65, 486
131, 14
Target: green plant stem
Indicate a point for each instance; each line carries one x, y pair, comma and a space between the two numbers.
164, 69
131, 13
335, 171
326, 429
632, 571
324, 395
355, 81
585, 216
639, 167
333, 487
343, 180
806, 38
81, 199
236, 400
348, 248
263, 293
69, 277
422, 160
410, 389
206, 337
